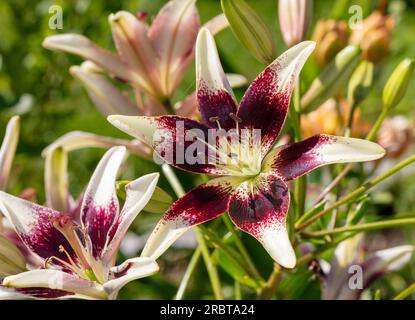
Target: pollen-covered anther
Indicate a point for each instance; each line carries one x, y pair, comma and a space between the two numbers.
235, 117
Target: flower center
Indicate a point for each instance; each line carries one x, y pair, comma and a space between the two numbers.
237, 150
85, 265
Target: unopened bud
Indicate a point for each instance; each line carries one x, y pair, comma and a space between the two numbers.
294, 18
360, 83
397, 84
335, 75
331, 37
249, 29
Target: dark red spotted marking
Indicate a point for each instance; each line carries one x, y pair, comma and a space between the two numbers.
265, 107
266, 207
300, 158
216, 104
201, 204
44, 239
98, 221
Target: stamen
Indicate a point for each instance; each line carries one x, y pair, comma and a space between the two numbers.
214, 119
64, 224
235, 117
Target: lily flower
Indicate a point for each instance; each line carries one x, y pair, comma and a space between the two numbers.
252, 186
152, 59
79, 255
351, 256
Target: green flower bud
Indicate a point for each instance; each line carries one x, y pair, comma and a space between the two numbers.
360, 83
249, 29
335, 75
397, 84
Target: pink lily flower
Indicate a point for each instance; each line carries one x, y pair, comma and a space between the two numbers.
252, 185
78, 255
152, 59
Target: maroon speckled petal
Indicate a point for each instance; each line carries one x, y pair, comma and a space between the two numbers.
33, 223
100, 206
214, 94
201, 204
259, 208
291, 161
179, 141
43, 293
265, 103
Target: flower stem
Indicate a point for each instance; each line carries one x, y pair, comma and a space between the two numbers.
357, 192
295, 117
241, 247
362, 227
405, 293
373, 132
209, 263
272, 283
188, 273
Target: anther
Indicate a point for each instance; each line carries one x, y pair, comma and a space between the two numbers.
214, 119
235, 117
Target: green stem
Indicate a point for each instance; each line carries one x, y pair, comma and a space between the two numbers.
363, 227
272, 283
405, 293
241, 247
238, 291
357, 192
210, 265
187, 275
373, 132
300, 185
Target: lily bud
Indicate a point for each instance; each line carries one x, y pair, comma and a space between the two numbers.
374, 36
331, 78
11, 259
294, 18
360, 83
249, 29
331, 36
397, 84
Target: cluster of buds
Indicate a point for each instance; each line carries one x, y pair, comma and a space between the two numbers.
331, 36
331, 118
374, 36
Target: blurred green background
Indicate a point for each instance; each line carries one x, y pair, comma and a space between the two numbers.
35, 83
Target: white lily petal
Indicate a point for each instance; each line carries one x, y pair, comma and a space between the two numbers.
236, 80
278, 246
350, 150
107, 98
82, 46
11, 294
163, 236
76, 140
217, 24
100, 207
138, 192
208, 66
129, 270
8, 149
56, 180
57, 280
